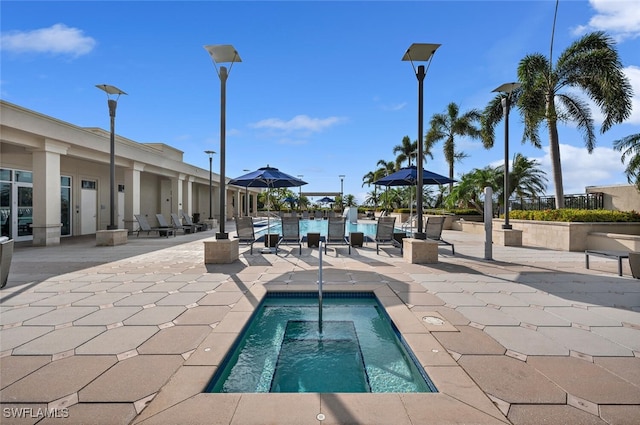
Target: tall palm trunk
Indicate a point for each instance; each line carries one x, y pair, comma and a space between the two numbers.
554, 151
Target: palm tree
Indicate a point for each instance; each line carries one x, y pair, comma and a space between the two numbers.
447, 127
631, 147
386, 168
525, 178
469, 191
406, 151
591, 64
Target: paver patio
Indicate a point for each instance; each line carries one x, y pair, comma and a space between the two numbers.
133, 333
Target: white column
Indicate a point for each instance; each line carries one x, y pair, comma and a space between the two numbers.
132, 195
46, 193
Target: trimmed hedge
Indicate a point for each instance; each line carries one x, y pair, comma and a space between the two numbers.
575, 215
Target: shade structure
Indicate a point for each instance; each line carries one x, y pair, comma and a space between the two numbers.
326, 200
267, 177
408, 176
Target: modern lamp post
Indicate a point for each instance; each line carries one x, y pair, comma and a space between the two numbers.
113, 104
424, 53
342, 176
222, 53
507, 89
210, 153
300, 176
246, 197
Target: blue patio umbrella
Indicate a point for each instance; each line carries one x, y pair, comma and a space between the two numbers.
267, 177
408, 176
326, 200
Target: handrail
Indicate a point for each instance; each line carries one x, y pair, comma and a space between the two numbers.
320, 287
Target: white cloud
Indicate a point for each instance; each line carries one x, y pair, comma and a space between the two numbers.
581, 169
633, 73
394, 106
620, 18
57, 39
299, 123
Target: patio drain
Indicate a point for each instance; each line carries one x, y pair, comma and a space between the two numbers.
320, 417
432, 320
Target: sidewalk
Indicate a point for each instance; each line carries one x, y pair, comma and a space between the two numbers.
133, 333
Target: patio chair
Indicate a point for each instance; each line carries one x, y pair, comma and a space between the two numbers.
290, 233
336, 234
433, 229
163, 224
305, 215
144, 226
384, 233
177, 224
197, 227
317, 215
244, 230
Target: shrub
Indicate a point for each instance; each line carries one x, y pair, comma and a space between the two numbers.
575, 215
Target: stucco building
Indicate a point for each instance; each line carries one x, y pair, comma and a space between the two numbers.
55, 180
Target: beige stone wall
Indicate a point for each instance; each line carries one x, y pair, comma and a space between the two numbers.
569, 236
618, 197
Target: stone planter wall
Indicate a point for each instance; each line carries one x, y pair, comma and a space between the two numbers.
568, 236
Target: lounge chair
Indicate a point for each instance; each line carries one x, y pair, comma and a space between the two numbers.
290, 233
384, 233
198, 227
433, 229
336, 234
317, 215
244, 230
177, 224
305, 215
163, 224
144, 226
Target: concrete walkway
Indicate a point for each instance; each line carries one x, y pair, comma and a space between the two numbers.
133, 333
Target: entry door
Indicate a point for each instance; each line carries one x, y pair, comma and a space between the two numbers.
120, 221
24, 213
88, 207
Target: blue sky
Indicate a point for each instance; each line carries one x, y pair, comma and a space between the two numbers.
321, 90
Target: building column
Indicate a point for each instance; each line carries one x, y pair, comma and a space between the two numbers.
132, 195
46, 193
187, 205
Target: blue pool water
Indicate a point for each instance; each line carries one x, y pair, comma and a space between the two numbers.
282, 349
319, 226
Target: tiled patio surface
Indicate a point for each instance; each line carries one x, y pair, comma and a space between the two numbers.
133, 333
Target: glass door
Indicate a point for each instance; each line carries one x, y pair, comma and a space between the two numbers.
24, 212
6, 228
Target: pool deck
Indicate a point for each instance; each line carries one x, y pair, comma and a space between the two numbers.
131, 334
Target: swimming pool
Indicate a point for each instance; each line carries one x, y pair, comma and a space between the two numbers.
319, 226
282, 349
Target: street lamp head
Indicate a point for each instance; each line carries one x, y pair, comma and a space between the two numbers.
221, 53
210, 153
507, 88
110, 89
420, 52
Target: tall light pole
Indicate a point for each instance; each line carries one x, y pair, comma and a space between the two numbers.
113, 104
246, 197
210, 153
300, 176
420, 52
222, 53
507, 89
342, 176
